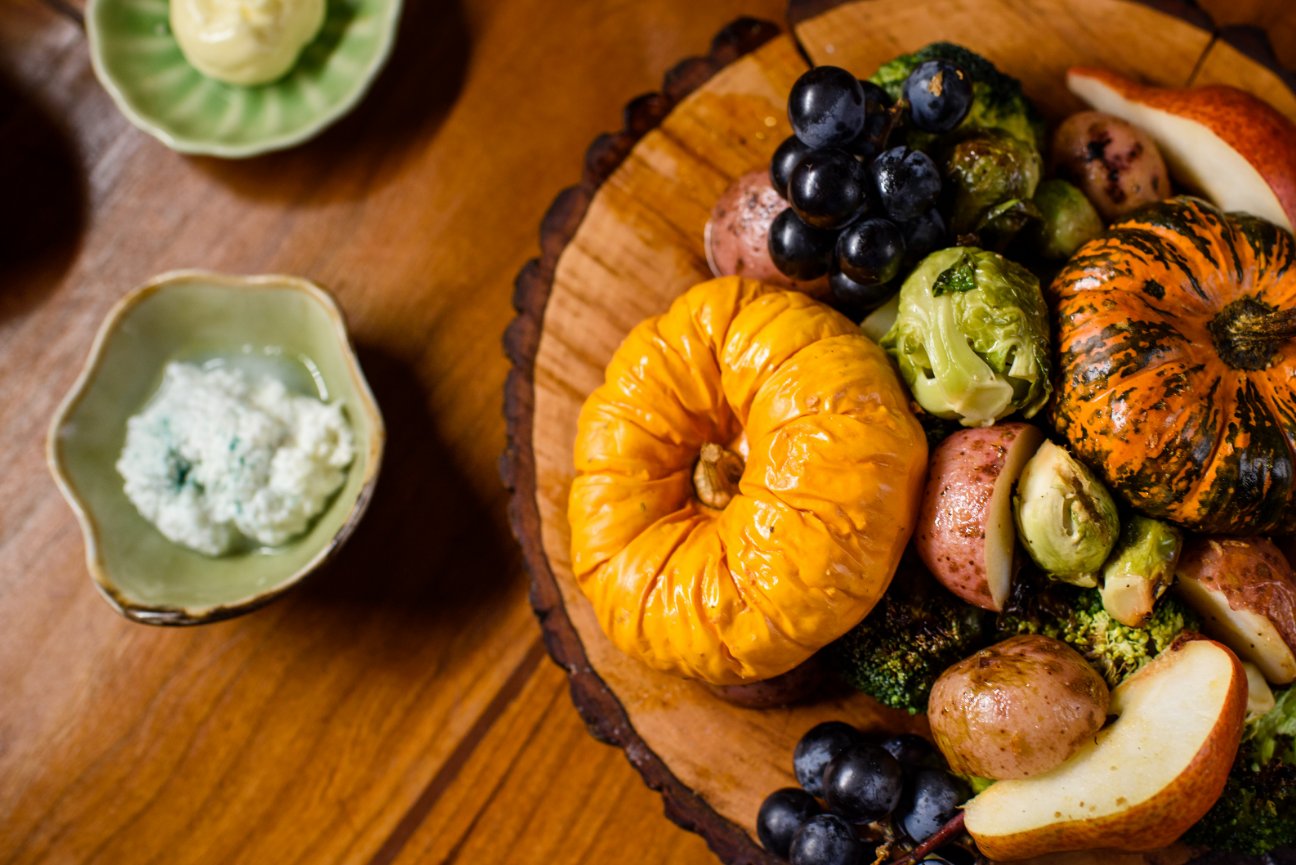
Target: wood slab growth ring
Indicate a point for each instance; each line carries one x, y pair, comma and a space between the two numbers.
626, 240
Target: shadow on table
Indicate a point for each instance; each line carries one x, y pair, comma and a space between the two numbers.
408, 102
431, 544
42, 199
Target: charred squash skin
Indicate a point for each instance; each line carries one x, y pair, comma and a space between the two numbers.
746, 479
1177, 366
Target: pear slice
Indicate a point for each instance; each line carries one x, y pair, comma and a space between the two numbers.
1236, 149
1144, 779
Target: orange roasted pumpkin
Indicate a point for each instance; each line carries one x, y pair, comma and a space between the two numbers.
1177, 366
747, 477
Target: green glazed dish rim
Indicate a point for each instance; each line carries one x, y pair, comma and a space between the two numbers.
368, 460
162, 126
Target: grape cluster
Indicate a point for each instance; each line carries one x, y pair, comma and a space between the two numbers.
875, 792
858, 210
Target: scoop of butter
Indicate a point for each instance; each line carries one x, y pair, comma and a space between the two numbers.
245, 41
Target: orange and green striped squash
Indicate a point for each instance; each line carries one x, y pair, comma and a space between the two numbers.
747, 478
1177, 365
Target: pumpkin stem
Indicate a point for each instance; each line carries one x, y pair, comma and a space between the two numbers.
716, 475
1248, 333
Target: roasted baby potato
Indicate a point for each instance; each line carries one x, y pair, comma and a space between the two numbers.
1017, 708
737, 235
965, 533
1116, 165
1245, 590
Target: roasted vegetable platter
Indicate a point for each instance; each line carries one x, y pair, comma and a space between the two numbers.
942, 522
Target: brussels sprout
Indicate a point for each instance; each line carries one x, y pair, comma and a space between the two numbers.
990, 177
1140, 569
971, 337
1068, 219
1002, 223
1066, 519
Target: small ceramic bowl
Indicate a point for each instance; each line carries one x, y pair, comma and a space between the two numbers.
140, 63
196, 316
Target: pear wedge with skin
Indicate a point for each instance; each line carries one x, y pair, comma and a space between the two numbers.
1218, 140
1144, 779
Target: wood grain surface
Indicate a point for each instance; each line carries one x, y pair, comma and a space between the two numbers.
399, 707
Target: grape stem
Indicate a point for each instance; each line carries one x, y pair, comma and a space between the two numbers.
943, 834
893, 119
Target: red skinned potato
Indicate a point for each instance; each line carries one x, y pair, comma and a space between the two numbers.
1245, 592
1016, 709
965, 532
737, 235
1116, 165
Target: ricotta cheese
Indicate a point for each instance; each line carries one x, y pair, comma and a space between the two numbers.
220, 460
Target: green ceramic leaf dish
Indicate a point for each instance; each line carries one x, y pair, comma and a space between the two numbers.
195, 316
139, 62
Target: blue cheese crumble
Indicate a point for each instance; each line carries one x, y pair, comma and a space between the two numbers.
220, 460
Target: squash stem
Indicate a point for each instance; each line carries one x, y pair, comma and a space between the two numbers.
1278, 325
716, 475
1248, 332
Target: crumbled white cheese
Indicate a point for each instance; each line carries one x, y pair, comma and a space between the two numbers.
219, 458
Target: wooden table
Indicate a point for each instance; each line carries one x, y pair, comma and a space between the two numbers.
398, 708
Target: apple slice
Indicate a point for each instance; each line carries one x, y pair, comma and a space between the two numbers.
1245, 591
1144, 779
1236, 149
965, 526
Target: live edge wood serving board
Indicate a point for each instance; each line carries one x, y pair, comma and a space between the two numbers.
627, 240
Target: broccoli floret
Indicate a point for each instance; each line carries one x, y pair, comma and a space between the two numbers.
997, 99
1273, 734
1076, 617
1257, 811
914, 633
1255, 814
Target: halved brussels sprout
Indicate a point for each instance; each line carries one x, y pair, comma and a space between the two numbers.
990, 178
971, 337
1140, 569
1065, 517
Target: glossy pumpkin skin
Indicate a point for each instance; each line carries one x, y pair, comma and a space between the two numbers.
834, 464
1156, 392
